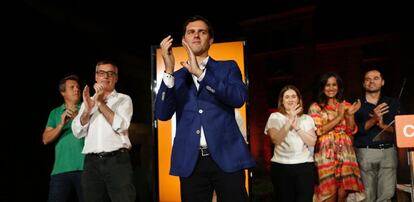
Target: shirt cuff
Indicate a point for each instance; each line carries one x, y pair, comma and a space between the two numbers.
168, 80
117, 123
79, 131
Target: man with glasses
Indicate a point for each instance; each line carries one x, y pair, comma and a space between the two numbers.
104, 120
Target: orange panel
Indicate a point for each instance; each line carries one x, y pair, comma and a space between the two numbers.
404, 128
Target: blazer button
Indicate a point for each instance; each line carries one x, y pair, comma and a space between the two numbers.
198, 132
200, 111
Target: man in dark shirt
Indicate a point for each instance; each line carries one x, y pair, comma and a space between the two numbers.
375, 140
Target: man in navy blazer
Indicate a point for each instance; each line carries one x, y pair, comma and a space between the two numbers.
209, 152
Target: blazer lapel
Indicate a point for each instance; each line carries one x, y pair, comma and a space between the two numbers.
190, 83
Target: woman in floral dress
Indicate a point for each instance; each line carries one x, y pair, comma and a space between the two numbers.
335, 159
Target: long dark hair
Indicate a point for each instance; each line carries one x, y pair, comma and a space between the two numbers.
321, 97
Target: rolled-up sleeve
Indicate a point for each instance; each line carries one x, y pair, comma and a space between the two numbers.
123, 115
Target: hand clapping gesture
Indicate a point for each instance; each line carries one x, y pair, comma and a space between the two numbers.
89, 102
293, 114
379, 111
353, 108
191, 64
167, 54
99, 93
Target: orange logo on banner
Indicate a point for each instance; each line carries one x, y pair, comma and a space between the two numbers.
404, 125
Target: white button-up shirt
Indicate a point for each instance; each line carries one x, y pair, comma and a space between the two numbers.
100, 136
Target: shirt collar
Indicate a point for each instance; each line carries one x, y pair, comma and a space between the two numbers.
113, 94
63, 106
203, 63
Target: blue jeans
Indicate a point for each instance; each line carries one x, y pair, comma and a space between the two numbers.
62, 184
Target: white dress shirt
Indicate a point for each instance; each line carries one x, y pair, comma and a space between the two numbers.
100, 136
169, 82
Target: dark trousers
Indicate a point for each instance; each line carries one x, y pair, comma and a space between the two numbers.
108, 178
293, 182
62, 184
207, 176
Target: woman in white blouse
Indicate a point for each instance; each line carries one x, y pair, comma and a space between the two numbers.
293, 134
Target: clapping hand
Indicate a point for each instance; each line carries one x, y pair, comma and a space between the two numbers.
353, 108
167, 54
293, 114
71, 113
191, 64
99, 93
379, 111
89, 102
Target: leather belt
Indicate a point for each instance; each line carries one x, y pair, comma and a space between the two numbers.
111, 153
378, 146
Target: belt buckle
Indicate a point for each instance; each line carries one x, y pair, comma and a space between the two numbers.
101, 155
107, 154
204, 151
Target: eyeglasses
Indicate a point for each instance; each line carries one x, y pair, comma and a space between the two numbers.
102, 73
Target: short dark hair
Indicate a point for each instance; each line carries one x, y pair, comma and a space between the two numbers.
62, 83
373, 69
105, 62
197, 18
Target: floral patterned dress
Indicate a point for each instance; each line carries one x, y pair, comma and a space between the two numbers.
334, 154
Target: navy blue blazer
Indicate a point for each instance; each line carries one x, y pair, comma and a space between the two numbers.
212, 106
